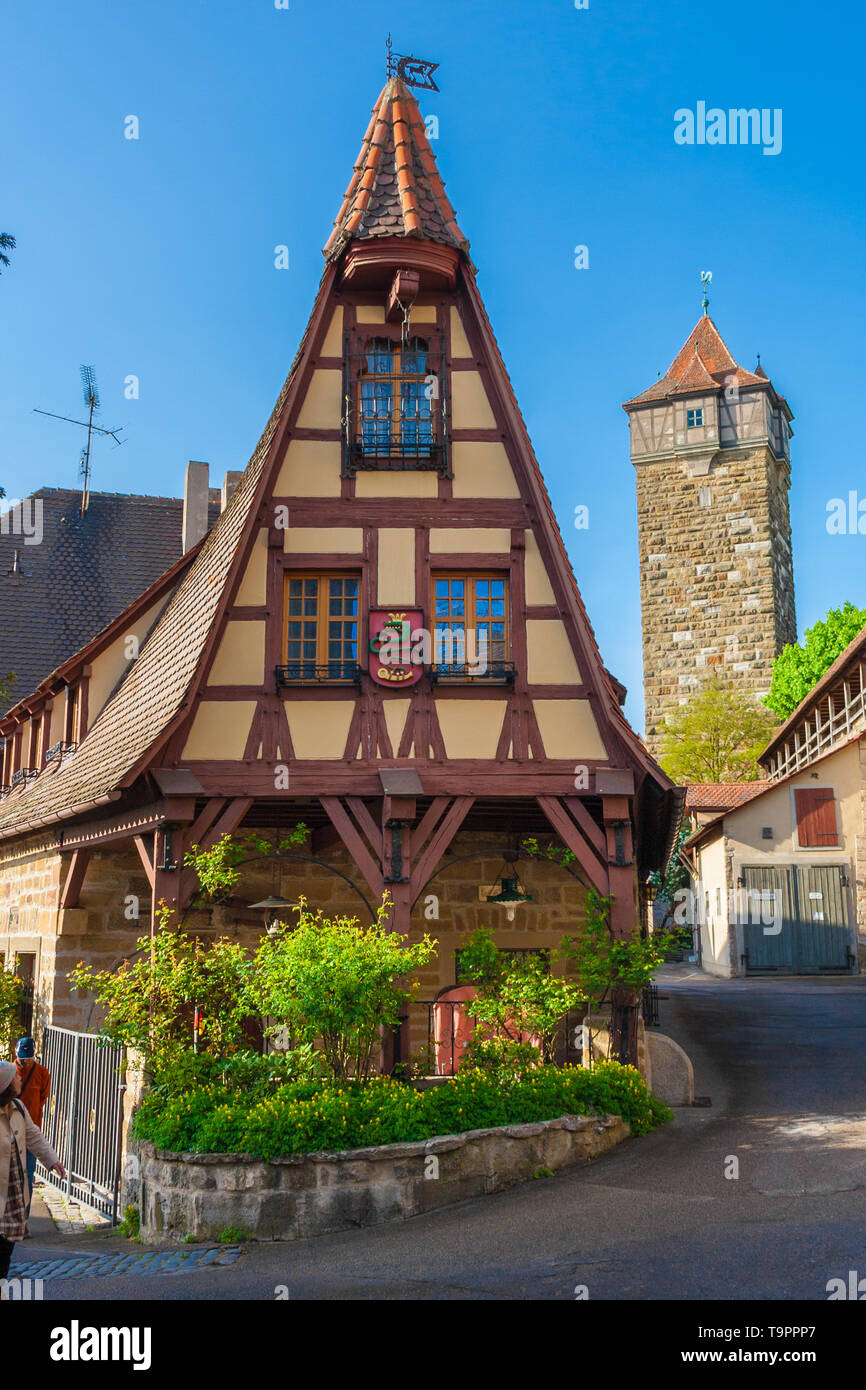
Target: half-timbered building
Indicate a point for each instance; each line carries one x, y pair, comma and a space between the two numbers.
381, 637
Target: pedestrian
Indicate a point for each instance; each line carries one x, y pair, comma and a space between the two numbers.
35, 1088
18, 1133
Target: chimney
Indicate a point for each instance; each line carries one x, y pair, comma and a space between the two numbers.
230, 482
195, 499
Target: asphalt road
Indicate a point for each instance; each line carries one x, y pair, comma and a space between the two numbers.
782, 1062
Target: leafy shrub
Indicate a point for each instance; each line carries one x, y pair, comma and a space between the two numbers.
309, 1116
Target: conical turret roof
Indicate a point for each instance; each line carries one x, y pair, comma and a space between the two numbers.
396, 188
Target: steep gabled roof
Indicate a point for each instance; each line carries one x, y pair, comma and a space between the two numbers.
396, 189
157, 690
702, 363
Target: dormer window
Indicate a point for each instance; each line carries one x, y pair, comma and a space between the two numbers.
694, 418
395, 404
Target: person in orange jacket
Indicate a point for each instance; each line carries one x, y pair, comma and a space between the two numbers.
35, 1088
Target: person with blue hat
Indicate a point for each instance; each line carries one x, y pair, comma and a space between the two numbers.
18, 1137
35, 1089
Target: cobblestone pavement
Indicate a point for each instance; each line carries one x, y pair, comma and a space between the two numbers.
94, 1265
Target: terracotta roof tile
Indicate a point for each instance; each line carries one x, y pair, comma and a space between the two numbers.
718, 796
396, 189
703, 362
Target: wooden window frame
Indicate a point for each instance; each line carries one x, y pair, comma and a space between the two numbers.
469, 578
322, 577
695, 424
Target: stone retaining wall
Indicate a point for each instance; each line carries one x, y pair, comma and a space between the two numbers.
301, 1195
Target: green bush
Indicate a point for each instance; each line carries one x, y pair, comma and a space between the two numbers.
309, 1116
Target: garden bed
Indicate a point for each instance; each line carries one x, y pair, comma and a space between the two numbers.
213, 1196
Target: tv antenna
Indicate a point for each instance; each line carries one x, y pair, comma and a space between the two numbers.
91, 400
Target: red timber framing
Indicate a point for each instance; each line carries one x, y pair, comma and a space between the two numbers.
395, 845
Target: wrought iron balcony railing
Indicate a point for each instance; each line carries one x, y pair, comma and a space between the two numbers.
311, 672
493, 673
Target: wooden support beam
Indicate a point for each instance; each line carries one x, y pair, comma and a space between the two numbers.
349, 834
228, 821
75, 878
593, 832
437, 808
439, 842
146, 856
572, 836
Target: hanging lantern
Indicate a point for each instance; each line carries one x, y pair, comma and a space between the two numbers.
274, 910
510, 894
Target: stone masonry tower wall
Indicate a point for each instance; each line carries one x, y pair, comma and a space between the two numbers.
710, 447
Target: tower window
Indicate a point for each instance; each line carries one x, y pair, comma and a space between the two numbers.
694, 418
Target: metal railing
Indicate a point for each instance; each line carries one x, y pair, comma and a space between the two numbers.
82, 1117
494, 673
308, 671
649, 1006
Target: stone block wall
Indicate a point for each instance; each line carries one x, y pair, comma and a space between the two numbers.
717, 586
303, 1195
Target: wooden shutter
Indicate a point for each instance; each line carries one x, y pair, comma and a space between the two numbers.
816, 817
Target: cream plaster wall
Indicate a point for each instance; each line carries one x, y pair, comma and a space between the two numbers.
470, 408
396, 565
394, 484
252, 590
324, 540
333, 344
219, 730
395, 720
311, 468
471, 728
459, 342
240, 657
550, 659
538, 587
319, 728
370, 313
715, 945
322, 408
482, 470
568, 729
468, 539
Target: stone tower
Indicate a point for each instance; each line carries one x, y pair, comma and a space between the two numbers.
709, 442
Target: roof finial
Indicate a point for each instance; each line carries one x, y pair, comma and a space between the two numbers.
706, 281
389, 63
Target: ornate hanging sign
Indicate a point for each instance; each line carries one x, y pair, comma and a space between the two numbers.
415, 72
391, 646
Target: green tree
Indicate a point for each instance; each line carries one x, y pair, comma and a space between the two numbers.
716, 736
799, 666
516, 997
11, 993
333, 982
151, 999
7, 243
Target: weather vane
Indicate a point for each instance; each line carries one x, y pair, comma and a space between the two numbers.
706, 281
415, 72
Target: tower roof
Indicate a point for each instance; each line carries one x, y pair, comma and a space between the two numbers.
702, 363
396, 189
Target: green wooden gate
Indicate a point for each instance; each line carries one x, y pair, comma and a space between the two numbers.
814, 935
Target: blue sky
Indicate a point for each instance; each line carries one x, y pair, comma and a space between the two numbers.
155, 257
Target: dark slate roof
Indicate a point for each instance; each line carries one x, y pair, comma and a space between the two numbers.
85, 571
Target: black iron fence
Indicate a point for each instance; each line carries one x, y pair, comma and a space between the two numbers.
82, 1118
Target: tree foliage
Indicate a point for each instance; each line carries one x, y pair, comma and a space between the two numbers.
799, 666
11, 994
151, 999
604, 963
716, 736
518, 1004
7, 243
334, 980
